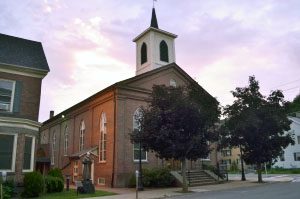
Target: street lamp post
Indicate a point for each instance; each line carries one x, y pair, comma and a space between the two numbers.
140, 182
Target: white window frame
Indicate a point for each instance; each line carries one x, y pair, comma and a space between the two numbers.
66, 140
103, 138
298, 139
53, 148
32, 154
81, 135
12, 94
136, 125
101, 181
13, 162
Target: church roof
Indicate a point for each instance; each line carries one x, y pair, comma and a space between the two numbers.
22, 53
122, 84
154, 27
154, 23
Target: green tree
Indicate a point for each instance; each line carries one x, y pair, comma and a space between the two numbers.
257, 124
178, 124
294, 106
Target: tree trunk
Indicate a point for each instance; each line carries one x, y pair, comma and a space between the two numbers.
242, 165
183, 172
259, 173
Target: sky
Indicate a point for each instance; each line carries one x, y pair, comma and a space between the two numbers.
88, 44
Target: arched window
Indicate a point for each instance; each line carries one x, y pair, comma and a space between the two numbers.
138, 114
66, 141
53, 148
103, 138
164, 52
144, 53
81, 132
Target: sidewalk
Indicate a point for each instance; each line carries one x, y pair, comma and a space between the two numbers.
125, 193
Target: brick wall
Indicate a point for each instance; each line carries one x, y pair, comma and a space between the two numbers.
30, 96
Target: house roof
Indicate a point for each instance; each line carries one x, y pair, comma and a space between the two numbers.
122, 84
22, 53
295, 120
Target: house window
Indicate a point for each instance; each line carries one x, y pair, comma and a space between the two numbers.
66, 141
8, 143
144, 53
297, 156
53, 148
282, 157
164, 52
298, 138
28, 153
82, 132
136, 146
226, 152
226, 162
103, 138
7, 88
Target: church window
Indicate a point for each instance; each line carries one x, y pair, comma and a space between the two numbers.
164, 54
144, 53
103, 138
136, 146
53, 148
82, 132
66, 141
173, 83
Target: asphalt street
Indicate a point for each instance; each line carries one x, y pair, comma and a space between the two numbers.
277, 190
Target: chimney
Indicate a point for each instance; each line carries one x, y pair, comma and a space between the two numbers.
51, 114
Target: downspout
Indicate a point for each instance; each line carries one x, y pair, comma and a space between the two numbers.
114, 145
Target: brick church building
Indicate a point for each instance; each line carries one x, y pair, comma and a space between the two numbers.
100, 125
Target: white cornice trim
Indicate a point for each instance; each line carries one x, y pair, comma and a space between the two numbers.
155, 30
20, 123
21, 70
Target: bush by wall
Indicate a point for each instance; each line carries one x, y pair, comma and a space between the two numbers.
7, 189
54, 184
56, 172
155, 177
33, 184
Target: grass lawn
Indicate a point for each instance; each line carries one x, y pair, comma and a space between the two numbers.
284, 171
72, 194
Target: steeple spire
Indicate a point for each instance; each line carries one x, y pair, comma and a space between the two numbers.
154, 23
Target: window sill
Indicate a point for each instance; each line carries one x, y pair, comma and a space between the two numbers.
143, 161
27, 170
102, 162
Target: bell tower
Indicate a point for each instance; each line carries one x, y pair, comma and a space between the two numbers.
154, 47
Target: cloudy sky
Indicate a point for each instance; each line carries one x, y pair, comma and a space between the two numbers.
88, 44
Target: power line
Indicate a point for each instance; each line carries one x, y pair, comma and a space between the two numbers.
280, 85
297, 87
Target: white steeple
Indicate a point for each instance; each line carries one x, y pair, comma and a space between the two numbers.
154, 47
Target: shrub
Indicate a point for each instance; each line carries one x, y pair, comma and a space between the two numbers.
154, 178
33, 184
56, 172
54, 184
7, 189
